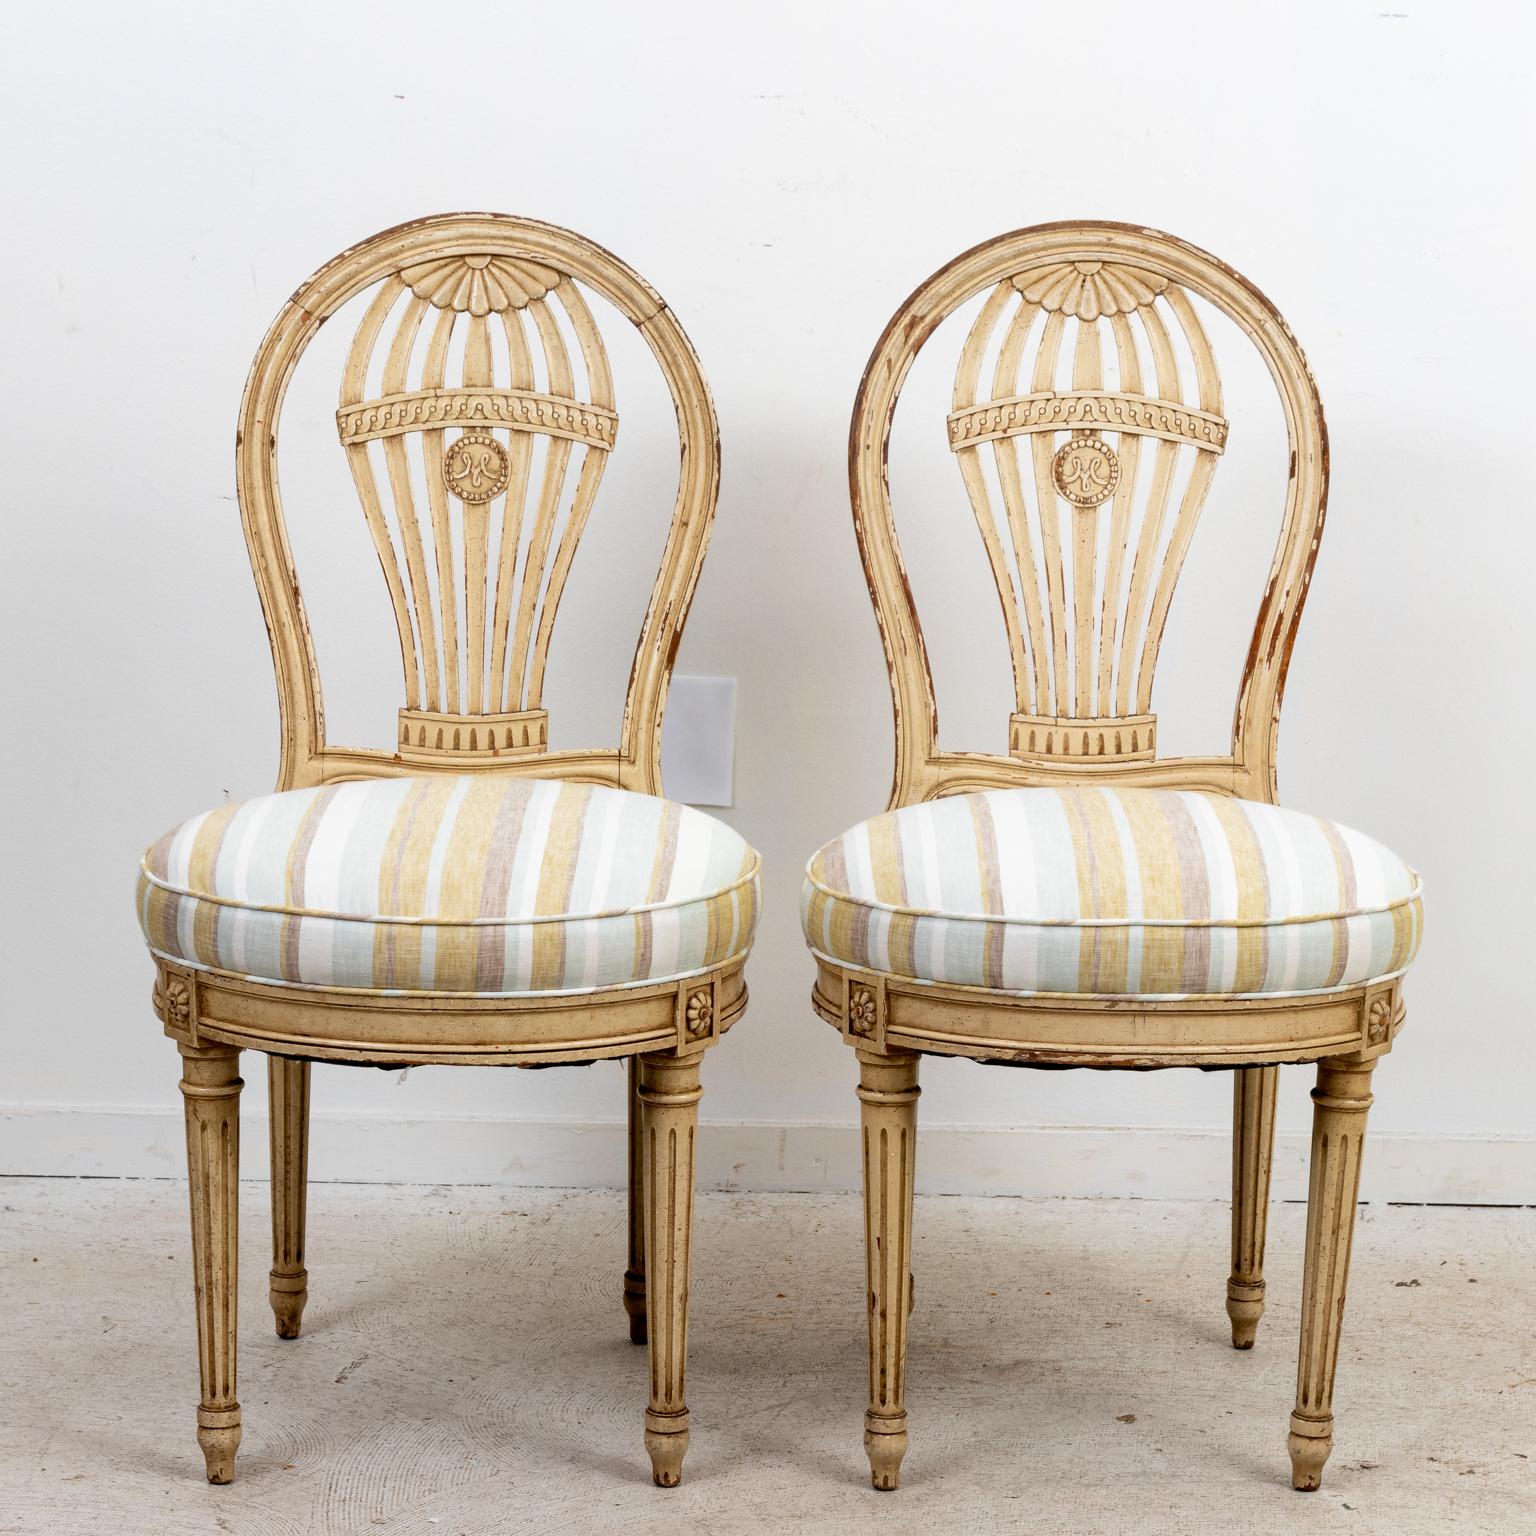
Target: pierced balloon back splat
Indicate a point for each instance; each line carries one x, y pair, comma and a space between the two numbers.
1087, 424
477, 415
1102, 447
477, 454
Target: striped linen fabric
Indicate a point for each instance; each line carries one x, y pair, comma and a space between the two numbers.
471, 884
1145, 893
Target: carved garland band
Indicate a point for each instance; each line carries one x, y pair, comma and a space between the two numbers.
1085, 410
521, 410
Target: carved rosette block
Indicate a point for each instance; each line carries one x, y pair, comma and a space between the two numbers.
669, 1111
888, 1094
1253, 1145
864, 1005
210, 1087
698, 1013
288, 1104
1340, 1103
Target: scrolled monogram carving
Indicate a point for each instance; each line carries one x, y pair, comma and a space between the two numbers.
1085, 470
475, 467
699, 1013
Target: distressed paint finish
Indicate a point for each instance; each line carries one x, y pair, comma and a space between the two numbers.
1088, 413
474, 629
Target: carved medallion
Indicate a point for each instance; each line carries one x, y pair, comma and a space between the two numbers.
475, 467
1086, 470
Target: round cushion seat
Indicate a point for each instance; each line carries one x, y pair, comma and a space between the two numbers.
1113, 893
481, 885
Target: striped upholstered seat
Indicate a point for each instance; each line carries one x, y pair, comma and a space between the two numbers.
1113, 893
482, 884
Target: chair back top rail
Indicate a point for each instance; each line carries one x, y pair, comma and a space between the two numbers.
476, 413
1087, 425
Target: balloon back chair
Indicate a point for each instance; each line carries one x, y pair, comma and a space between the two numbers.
471, 897
1079, 900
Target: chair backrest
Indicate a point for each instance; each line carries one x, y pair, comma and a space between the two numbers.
477, 414
1087, 426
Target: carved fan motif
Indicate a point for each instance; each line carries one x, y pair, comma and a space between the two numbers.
480, 285
1085, 614
1085, 290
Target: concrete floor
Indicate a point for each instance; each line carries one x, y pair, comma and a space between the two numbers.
465, 1371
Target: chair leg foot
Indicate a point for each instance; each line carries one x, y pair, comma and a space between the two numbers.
288, 1293
218, 1432
666, 1440
1245, 1306
885, 1443
1310, 1443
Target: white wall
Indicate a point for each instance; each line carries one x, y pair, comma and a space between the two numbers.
785, 177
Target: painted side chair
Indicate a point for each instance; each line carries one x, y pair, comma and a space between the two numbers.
470, 897
1081, 901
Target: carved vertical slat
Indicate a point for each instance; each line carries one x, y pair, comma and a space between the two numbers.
477, 372
1048, 508
434, 369
1143, 567
1253, 1144
966, 375
288, 1109
398, 467
888, 1094
669, 1110
1005, 382
1340, 1103
521, 459
557, 460
589, 477
1128, 446
210, 1086
1087, 373
353, 388
1208, 383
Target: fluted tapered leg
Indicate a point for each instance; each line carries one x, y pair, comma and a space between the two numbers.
210, 1085
1341, 1099
888, 1093
1253, 1146
669, 1114
288, 1100
634, 1275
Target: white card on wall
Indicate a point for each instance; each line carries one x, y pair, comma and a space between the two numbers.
698, 740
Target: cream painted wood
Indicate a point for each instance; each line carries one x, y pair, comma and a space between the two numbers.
210, 1086
288, 1119
510, 439
669, 1096
888, 1094
1253, 1148
1087, 427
